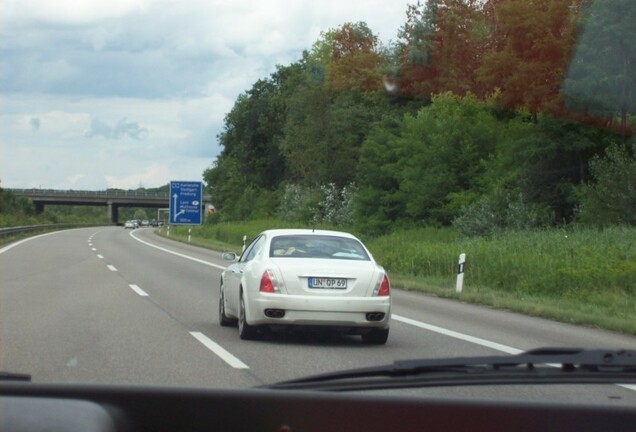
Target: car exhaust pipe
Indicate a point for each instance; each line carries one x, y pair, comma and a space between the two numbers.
375, 316
274, 313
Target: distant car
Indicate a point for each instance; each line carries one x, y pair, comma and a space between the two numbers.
130, 224
145, 223
287, 278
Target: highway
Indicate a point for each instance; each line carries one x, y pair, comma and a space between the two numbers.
108, 305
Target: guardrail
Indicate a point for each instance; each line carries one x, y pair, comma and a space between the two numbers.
32, 228
107, 194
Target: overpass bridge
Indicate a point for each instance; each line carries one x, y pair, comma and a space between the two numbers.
113, 200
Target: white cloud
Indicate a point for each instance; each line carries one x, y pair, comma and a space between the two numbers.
74, 179
54, 125
123, 128
70, 11
125, 92
151, 175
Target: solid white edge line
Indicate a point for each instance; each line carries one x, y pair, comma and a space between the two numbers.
177, 253
138, 290
483, 342
457, 335
111, 268
219, 351
19, 242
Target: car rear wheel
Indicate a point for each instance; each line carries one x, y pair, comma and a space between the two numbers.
375, 337
246, 331
223, 319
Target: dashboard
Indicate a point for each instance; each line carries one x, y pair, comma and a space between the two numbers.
28, 407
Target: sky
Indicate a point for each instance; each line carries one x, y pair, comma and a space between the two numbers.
99, 94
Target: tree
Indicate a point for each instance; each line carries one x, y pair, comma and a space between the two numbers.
442, 156
440, 48
251, 158
458, 45
415, 75
377, 204
427, 166
529, 51
611, 197
355, 60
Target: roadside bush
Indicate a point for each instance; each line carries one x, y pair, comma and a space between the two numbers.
325, 204
611, 197
498, 212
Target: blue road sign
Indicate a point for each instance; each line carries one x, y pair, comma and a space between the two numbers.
186, 203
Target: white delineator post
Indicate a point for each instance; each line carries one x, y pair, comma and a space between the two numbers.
189, 234
460, 273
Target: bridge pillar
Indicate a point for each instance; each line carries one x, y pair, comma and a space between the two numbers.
113, 212
39, 207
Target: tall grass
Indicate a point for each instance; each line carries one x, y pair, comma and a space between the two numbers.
552, 262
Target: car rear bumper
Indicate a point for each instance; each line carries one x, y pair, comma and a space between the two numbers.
320, 311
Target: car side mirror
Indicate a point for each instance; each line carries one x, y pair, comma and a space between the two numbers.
229, 256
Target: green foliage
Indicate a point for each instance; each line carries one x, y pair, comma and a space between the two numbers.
611, 197
16, 211
428, 166
442, 152
140, 214
75, 214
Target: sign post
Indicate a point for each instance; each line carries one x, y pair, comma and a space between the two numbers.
459, 285
185, 203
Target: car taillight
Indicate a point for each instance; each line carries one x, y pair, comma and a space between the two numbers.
383, 287
268, 282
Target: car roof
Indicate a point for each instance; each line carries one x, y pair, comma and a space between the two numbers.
307, 231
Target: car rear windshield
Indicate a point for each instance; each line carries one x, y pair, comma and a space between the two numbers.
317, 246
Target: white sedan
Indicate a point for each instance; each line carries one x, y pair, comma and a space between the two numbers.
301, 277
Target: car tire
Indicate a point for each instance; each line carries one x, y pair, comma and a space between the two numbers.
376, 337
224, 321
246, 331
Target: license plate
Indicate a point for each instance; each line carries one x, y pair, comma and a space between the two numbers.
327, 283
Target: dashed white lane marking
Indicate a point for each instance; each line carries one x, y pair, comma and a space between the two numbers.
111, 268
94, 250
138, 290
217, 349
100, 256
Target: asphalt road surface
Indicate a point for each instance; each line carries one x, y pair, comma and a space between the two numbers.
108, 305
